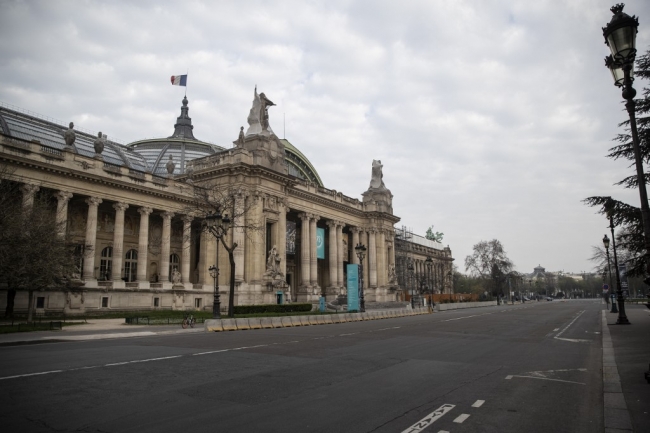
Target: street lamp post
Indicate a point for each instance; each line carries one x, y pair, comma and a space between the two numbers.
429, 262
218, 226
409, 267
216, 305
620, 37
361, 253
622, 317
609, 271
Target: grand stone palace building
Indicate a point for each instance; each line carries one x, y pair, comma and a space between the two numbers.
139, 247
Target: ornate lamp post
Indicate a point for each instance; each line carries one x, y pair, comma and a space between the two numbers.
622, 318
216, 305
429, 263
620, 37
410, 268
609, 271
360, 249
218, 226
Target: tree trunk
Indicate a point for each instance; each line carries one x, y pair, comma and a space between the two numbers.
30, 307
9, 310
231, 298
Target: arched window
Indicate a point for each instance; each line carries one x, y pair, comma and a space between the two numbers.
174, 264
131, 266
106, 264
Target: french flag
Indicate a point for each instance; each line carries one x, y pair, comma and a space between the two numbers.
179, 80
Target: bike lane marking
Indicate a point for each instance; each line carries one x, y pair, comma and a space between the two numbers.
429, 419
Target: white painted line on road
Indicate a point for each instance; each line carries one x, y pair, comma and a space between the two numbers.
208, 353
556, 329
343, 335
571, 323
142, 360
509, 377
573, 340
545, 378
430, 419
478, 403
461, 418
386, 329
466, 317
443, 431
30, 374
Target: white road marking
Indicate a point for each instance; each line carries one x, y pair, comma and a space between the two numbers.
343, 335
573, 340
478, 403
142, 360
509, 377
443, 431
571, 323
466, 317
461, 418
546, 378
429, 419
556, 329
30, 374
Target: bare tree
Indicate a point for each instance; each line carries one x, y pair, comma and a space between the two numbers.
33, 254
228, 202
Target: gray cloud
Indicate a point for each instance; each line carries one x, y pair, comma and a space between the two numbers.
492, 119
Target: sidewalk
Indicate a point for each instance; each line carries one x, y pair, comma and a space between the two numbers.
631, 344
95, 329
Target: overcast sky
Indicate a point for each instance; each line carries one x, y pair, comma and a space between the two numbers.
492, 118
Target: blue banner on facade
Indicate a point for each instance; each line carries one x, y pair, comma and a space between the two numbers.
320, 243
353, 287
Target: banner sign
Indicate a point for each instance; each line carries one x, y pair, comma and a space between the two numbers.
622, 271
353, 287
320, 243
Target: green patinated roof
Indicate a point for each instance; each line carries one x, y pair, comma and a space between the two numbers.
304, 166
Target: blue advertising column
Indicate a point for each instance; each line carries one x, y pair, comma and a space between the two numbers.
353, 287
321, 304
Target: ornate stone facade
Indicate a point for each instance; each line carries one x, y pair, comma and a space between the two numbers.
142, 249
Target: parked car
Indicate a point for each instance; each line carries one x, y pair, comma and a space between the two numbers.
549, 298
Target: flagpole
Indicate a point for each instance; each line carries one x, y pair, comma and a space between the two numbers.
187, 77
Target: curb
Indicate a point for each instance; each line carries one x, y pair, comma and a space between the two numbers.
616, 415
219, 325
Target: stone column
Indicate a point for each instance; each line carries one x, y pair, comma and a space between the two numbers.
29, 191
281, 237
187, 249
118, 244
355, 241
333, 256
163, 271
143, 245
313, 258
238, 235
63, 197
341, 254
382, 268
372, 258
305, 270
91, 239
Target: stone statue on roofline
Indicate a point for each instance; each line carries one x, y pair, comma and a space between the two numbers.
69, 136
377, 194
99, 143
171, 165
258, 118
376, 178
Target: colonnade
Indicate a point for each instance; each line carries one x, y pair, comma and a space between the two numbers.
90, 239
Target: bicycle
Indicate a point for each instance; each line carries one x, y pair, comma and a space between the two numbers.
188, 320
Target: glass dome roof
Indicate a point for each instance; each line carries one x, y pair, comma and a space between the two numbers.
181, 146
